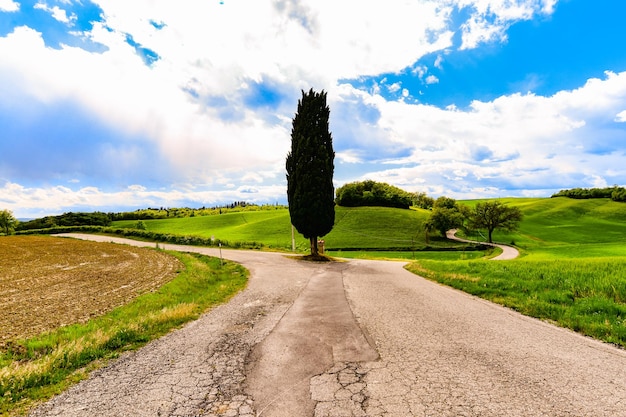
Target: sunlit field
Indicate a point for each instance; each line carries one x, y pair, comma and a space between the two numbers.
572, 270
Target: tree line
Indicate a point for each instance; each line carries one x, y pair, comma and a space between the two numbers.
615, 193
8, 221
168, 212
67, 219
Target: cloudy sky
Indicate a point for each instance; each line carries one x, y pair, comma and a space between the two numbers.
115, 105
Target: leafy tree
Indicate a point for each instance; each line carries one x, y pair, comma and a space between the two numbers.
619, 194
422, 201
445, 202
372, 193
7, 222
492, 215
310, 167
447, 214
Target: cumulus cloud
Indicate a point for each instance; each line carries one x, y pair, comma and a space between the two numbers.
512, 141
9, 6
621, 117
431, 79
28, 202
56, 12
213, 113
204, 57
489, 19
395, 87
439, 62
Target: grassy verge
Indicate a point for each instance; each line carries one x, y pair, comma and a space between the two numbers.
37, 368
586, 295
408, 256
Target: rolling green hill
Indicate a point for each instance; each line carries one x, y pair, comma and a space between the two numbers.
572, 272
559, 227
377, 228
565, 227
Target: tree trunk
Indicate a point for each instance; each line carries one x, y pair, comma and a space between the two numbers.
314, 251
490, 232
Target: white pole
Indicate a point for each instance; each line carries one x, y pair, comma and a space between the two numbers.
293, 239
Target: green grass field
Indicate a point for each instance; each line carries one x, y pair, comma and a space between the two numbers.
562, 227
355, 228
572, 271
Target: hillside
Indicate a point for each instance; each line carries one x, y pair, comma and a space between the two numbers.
560, 225
360, 227
569, 227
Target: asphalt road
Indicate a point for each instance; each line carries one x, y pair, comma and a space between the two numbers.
508, 252
357, 338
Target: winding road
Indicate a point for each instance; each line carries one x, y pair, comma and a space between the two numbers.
508, 252
355, 338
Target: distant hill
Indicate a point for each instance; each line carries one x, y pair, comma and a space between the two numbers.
584, 226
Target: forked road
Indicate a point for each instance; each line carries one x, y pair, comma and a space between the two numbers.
357, 338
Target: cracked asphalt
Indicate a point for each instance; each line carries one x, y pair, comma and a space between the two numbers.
357, 338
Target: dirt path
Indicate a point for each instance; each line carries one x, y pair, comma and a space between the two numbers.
360, 338
508, 252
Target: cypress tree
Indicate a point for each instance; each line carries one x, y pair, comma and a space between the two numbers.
310, 167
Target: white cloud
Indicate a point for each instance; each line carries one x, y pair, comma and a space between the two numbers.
211, 52
348, 157
292, 47
9, 6
439, 62
56, 12
420, 70
27, 202
478, 30
621, 117
517, 141
548, 6
431, 79
490, 19
395, 87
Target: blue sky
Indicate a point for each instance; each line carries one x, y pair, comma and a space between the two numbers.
117, 105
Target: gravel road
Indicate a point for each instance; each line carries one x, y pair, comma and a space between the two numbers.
357, 338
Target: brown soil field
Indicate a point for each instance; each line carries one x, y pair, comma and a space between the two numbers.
47, 282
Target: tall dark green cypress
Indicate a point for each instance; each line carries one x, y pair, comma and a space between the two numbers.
310, 168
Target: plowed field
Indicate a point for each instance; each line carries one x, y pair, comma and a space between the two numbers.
47, 282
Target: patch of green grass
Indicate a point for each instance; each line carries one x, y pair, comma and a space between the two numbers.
587, 295
359, 227
37, 368
408, 256
271, 227
560, 224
